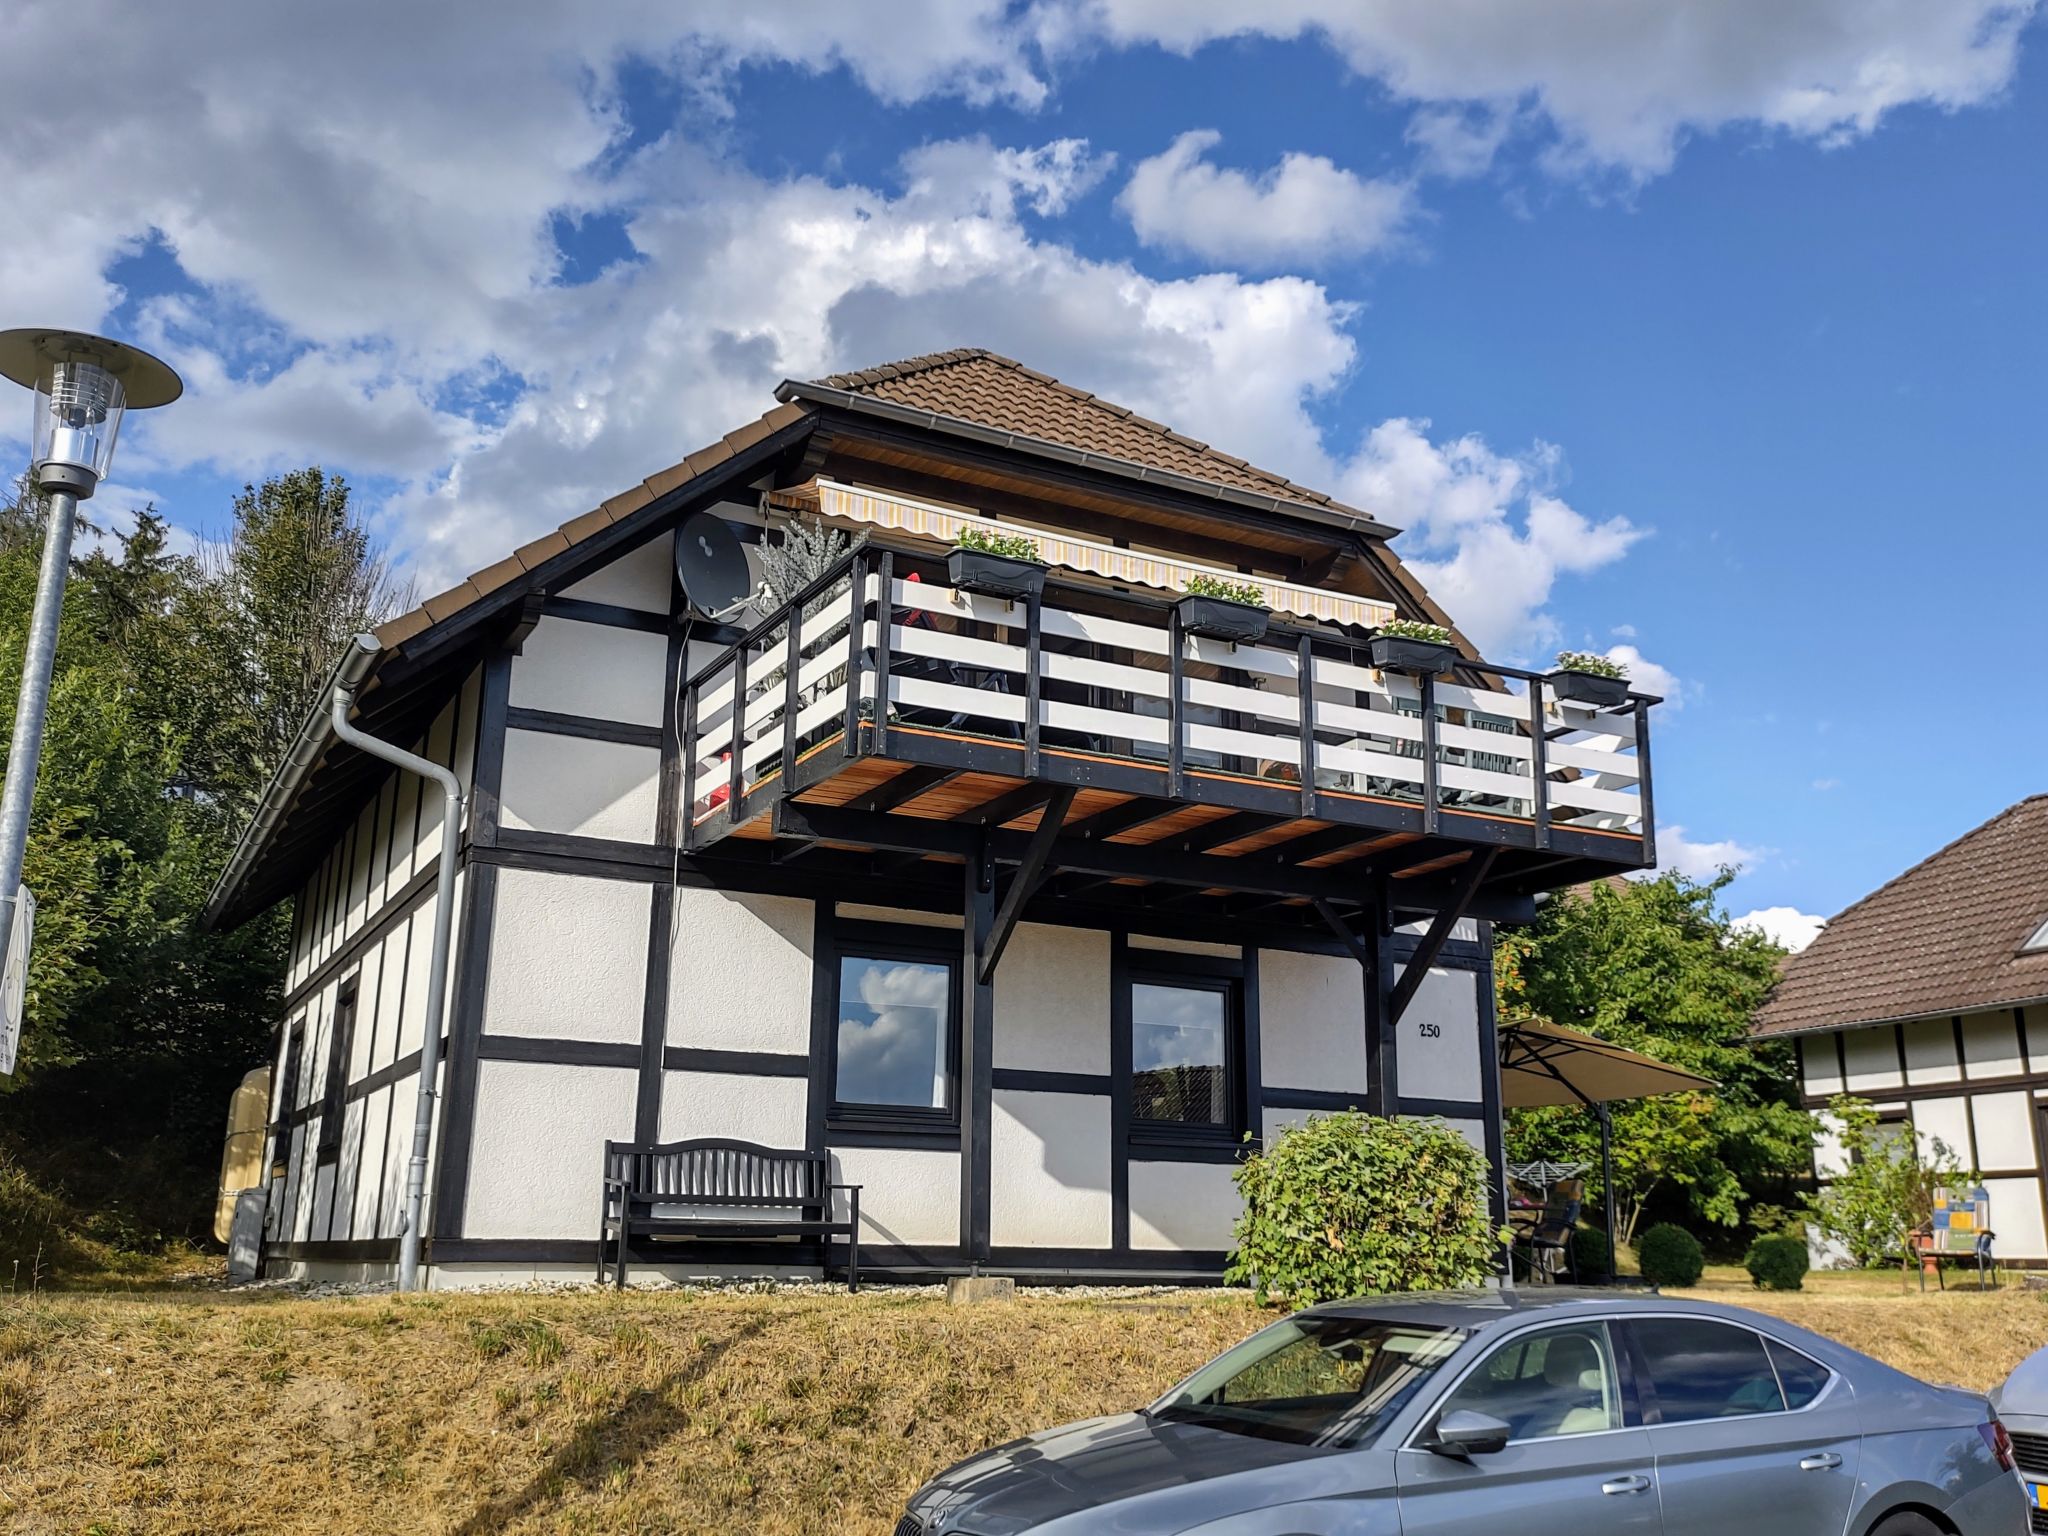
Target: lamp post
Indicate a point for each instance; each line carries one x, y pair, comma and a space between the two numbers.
83, 385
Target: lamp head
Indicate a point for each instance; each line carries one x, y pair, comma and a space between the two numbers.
82, 385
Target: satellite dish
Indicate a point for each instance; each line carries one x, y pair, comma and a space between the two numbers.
711, 564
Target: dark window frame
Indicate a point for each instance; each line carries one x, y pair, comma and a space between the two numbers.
865, 941
1167, 968
341, 1038
287, 1100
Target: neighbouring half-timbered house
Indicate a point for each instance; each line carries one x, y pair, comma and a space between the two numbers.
1030, 913
1929, 999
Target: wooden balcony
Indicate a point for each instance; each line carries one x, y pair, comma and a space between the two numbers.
1085, 739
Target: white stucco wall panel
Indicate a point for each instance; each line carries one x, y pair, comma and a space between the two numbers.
2037, 1033
638, 579
1049, 1173
568, 957
1052, 1000
393, 959
1991, 1045
1820, 1065
1828, 1157
2016, 1218
740, 977
1182, 1206
907, 1196
597, 670
1945, 1120
1931, 1052
1311, 1021
1873, 1058
2005, 1130
585, 788
1438, 1055
371, 1196
539, 1142
767, 1110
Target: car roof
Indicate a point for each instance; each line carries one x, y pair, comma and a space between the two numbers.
1494, 1306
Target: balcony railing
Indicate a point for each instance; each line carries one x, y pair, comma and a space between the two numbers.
1100, 688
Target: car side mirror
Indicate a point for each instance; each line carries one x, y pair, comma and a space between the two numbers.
1465, 1433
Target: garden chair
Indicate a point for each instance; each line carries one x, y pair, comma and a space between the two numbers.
1958, 1232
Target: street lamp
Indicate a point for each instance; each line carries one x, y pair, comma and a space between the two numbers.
83, 385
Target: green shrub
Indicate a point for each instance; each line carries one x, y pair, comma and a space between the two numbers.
1670, 1256
1351, 1205
1777, 1263
1248, 593
1589, 1253
1415, 629
1591, 663
1011, 546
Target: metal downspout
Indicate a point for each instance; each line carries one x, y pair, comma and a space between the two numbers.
437, 974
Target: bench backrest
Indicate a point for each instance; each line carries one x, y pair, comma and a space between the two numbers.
713, 1171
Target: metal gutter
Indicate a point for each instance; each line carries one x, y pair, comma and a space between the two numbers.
1065, 453
357, 662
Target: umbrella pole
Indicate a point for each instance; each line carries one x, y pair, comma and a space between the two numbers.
1607, 1180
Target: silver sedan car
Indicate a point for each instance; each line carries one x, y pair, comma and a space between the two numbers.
1577, 1412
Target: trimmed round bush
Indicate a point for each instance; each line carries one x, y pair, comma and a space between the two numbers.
1353, 1205
1670, 1256
1778, 1263
1589, 1253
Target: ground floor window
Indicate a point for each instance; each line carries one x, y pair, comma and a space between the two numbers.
1187, 1057
896, 1027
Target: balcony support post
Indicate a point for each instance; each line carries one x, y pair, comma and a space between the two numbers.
1176, 670
689, 822
885, 642
849, 741
1305, 694
1648, 807
1432, 797
1031, 871
977, 1047
793, 652
739, 734
1032, 638
1439, 933
1539, 768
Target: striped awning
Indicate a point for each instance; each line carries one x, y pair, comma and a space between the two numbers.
904, 514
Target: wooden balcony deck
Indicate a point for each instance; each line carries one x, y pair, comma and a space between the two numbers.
1181, 769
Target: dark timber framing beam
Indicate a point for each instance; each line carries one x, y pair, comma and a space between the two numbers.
1439, 932
1031, 869
977, 1049
902, 788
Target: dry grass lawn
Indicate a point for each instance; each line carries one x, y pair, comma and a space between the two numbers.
651, 1412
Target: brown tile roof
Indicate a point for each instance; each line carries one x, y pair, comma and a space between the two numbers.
984, 387
1944, 937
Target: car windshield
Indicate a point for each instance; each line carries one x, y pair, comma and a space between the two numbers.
1313, 1380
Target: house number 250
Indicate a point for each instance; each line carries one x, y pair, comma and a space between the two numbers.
1430, 1031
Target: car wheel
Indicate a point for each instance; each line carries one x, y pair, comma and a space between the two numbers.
1905, 1523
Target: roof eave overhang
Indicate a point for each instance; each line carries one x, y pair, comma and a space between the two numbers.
358, 663
1332, 516
1923, 1016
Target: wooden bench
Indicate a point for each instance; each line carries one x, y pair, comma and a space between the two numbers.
771, 1192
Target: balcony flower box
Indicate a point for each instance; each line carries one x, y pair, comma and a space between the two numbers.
1222, 618
996, 565
1589, 688
1582, 678
1422, 650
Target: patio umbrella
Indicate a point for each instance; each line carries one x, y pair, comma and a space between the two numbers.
1545, 1064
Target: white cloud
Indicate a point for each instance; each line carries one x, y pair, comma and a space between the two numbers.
1787, 927
1824, 785
1306, 209
1704, 860
1486, 532
1647, 676
1618, 84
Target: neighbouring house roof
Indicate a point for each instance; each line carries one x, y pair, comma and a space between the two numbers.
969, 392
1950, 935
976, 386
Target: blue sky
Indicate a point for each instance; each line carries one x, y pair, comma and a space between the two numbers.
1716, 337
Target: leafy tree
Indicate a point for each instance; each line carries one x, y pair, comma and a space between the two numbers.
1885, 1191
178, 680
1655, 965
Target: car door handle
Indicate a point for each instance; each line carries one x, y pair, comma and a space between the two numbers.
1820, 1461
1634, 1483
